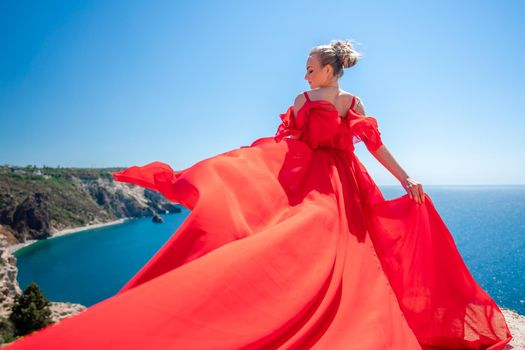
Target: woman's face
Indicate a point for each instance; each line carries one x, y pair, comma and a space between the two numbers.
315, 74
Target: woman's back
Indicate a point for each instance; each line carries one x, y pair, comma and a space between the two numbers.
341, 99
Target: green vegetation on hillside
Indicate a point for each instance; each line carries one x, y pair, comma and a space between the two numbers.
35, 200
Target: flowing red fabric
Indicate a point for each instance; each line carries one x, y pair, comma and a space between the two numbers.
291, 245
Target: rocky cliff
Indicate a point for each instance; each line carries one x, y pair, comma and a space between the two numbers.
37, 203
9, 288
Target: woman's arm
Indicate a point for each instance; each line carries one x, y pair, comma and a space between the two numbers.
413, 188
383, 155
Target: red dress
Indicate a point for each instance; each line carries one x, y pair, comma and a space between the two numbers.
291, 245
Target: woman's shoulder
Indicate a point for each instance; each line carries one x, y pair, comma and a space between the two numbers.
347, 96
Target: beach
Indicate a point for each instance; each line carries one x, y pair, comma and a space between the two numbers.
13, 248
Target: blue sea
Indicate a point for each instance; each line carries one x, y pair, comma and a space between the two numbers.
486, 222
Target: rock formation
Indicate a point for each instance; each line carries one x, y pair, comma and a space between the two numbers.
9, 289
34, 208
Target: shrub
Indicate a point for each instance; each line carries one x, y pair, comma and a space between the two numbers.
7, 331
30, 311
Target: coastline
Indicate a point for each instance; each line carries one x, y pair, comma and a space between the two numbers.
13, 248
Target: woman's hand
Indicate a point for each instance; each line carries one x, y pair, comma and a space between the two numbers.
414, 189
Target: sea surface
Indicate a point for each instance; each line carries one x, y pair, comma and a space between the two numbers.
486, 222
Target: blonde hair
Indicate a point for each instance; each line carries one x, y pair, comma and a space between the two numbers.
339, 54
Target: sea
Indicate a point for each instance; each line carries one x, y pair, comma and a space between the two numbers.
487, 223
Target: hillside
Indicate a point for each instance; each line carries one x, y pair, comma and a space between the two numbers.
36, 203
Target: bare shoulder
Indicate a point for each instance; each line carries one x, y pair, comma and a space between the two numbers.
348, 100
346, 96
299, 101
357, 104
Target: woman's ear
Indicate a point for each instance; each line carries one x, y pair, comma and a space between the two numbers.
328, 69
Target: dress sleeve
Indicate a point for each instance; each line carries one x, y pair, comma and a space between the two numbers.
365, 128
156, 176
288, 126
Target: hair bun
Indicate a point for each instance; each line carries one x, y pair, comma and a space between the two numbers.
339, 54
345, 52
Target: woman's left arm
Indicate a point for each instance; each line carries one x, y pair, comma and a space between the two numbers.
413, 188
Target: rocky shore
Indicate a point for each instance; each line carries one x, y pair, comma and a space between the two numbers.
9, 288
14, 247
38, 204
41, 204
516, 323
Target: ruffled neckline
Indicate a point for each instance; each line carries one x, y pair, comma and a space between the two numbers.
321, 126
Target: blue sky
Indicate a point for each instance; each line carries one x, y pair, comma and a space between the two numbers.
121, 83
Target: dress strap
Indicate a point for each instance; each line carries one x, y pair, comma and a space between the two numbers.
353, 101
307, 98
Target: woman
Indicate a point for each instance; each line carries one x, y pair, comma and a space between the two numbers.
291, 245
324, 67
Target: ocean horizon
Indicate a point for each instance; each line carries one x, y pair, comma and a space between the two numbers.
487, 223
